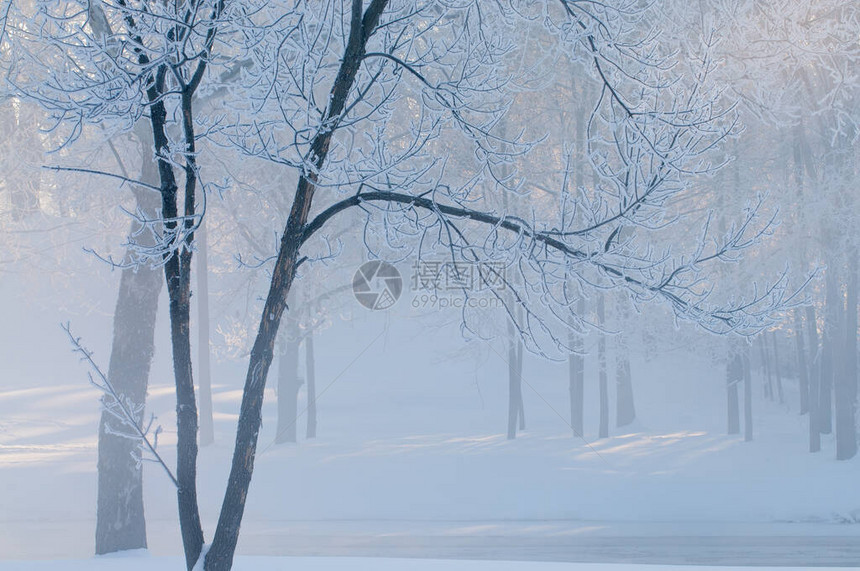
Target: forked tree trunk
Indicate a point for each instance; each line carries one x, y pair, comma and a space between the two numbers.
814, 376
207, 425
177, 274
120, 521
603, 431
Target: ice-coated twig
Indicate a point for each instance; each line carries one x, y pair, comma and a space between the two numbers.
119, 408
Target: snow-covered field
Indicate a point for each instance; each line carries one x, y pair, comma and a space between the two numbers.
411, 461
136, 563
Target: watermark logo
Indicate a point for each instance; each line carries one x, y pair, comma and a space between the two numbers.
447, 276
459, 285
377, 285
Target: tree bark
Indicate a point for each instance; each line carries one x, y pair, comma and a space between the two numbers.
120, 521
207, 425
177, 274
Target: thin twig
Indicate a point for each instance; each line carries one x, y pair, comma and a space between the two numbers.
108, 388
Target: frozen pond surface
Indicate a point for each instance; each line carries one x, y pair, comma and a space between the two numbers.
585, 542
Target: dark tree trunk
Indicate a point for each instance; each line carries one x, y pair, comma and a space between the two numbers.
177, 274
734, 376
289, 384
178, 278
846, 383
802, 365
576, 371
748, 410
220, 555
310, 373
814, 376
120, 522
603, 431
207, 425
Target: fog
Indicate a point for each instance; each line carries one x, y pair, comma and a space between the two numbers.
468, 285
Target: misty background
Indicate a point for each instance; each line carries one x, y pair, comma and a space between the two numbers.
450, 422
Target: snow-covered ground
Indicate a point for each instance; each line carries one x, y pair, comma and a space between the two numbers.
143, 563
411, 461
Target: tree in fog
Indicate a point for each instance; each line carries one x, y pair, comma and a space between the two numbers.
367, 103
625, 405
799, 83
120, 521
40, 206
112, 65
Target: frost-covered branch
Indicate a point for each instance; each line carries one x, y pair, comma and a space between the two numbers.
119, 407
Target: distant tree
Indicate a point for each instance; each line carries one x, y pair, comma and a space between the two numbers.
734, 377
799, 86
625, 407
120, 520
602, 375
